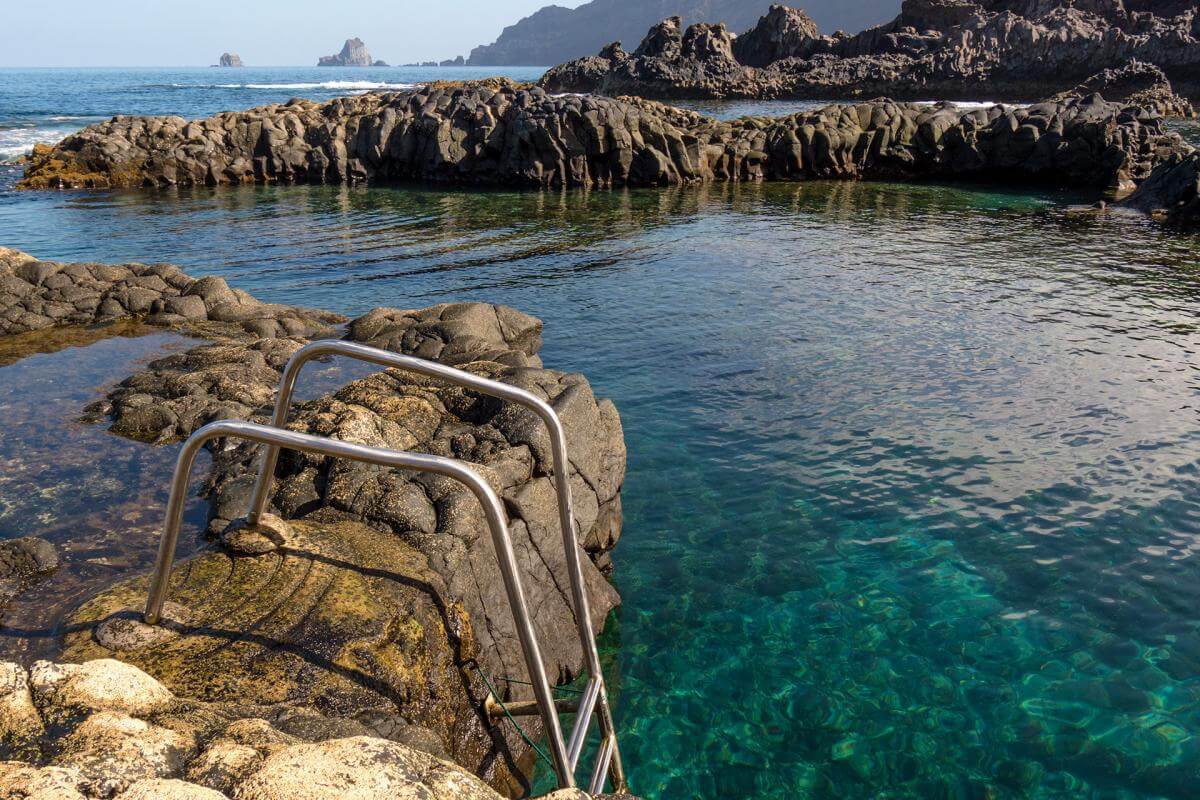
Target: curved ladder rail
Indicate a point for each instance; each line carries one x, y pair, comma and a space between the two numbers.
492, 508
595, 695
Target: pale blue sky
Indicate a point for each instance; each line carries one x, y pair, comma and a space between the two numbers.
263, 32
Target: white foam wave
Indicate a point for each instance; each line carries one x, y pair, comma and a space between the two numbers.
329, 85
16, 142
970, 104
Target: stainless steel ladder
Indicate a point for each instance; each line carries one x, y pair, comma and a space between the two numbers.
565, 754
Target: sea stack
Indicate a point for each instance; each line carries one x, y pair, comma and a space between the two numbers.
230, 60
354, 54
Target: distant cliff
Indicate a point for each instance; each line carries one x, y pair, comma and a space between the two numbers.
555, 34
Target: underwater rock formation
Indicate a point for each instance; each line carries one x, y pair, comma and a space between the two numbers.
35, 295
106, 729
495, 133
986, 50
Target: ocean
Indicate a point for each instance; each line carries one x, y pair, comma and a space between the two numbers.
911, 505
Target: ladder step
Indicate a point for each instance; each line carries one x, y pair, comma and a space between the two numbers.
600, 773
526, 708
579, 734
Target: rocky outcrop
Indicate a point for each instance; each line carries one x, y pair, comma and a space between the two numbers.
1138, 84
35, 295
1171, 192
380, 604
503, 134
230, 60
962, 49
353, 54
106, 730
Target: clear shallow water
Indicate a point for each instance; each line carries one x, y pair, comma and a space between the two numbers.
910, 509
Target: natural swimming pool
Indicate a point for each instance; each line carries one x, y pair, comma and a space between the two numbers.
910, 508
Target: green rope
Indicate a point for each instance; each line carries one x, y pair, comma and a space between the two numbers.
507, 679
513, 720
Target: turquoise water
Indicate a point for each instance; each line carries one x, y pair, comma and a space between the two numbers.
911, 502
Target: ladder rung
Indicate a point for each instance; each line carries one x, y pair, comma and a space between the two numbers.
600, 773
526, 708
579, 734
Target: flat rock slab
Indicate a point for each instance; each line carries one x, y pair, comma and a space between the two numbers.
341, 617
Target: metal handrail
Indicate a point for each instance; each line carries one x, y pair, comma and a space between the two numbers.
492, 508
562, 483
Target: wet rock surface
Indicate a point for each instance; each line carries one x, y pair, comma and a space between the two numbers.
37, 295
496, 133
989, 50
105, 729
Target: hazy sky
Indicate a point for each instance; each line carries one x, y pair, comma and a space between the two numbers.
263, 32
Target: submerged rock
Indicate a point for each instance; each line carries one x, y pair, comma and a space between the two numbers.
24, 562
502, 134
985, 50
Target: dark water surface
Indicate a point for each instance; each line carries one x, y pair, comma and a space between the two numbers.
911, 508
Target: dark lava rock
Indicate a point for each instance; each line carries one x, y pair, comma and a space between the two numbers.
36, 295
499, 133
964, 49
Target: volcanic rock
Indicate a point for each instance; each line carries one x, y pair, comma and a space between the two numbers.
497, 133
963, 49
353, 54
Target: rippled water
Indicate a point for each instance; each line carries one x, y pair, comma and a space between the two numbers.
911, 503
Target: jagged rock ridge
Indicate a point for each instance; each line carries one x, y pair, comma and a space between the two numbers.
504, 134
987, 50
